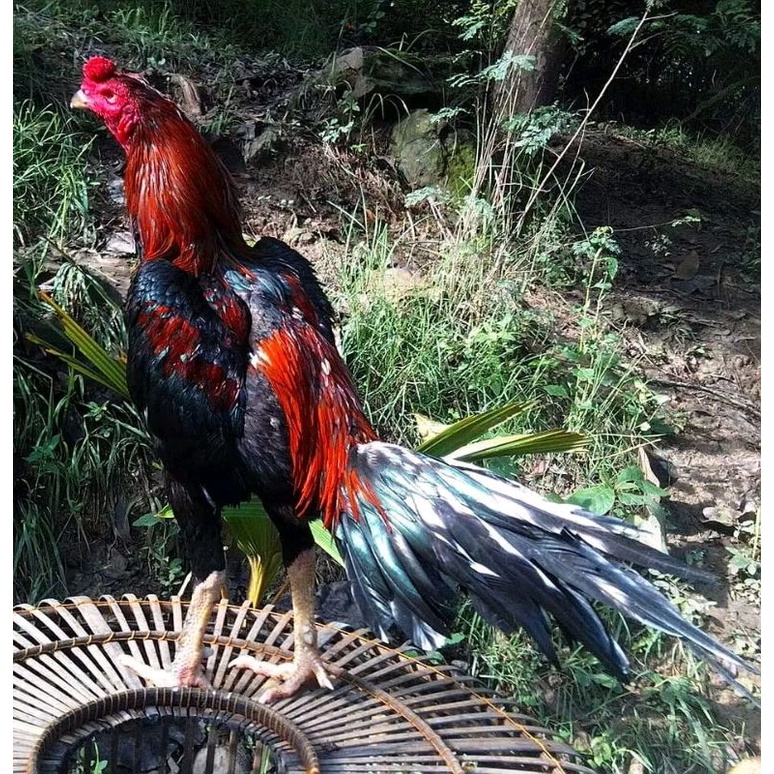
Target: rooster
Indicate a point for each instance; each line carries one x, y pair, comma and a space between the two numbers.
232, 360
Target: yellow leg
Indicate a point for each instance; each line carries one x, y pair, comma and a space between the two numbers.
307, 666
186, 668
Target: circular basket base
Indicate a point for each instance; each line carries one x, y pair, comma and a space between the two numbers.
390, 711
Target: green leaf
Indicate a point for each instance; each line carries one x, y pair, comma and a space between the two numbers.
150, 519
597, 499
108, 370
631, 473
258, 539
651, 489
76, 364
624, 28
146, 520
252, 528
557, 390
325, 540
632, 498
470, 429
548, 442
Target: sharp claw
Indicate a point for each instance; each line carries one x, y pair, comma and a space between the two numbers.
293, 676
267, 697
323, 680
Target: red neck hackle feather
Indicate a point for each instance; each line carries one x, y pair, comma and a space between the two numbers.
324, 421
178, 193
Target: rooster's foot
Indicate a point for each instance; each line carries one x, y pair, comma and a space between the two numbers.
186, 669
307, 668
178, 675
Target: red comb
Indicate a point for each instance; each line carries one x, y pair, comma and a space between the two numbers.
99, 68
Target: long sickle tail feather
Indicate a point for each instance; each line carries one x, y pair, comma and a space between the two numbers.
427, 529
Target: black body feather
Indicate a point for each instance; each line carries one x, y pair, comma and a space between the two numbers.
217, 424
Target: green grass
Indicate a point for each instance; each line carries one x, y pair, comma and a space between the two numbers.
460, 338
717, 153
193, 33
50, 193
664, 719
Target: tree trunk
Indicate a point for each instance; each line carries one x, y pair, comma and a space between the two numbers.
533, 32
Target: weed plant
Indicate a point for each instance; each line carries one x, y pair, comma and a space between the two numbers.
82, 462
50, 194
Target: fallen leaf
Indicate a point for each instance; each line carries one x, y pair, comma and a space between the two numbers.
747, 766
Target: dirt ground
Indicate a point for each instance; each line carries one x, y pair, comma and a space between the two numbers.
690, 298
687, 298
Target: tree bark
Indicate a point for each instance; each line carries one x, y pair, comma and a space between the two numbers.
533, 32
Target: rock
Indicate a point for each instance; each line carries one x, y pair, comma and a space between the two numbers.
191, 100
257, 139
372, 70
349, 66
121, 243
657, 468
417, 148
377, 80
688, 267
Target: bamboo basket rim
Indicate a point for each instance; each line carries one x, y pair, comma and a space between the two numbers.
391, 709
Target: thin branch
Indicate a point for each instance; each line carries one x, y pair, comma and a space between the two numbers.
722, 396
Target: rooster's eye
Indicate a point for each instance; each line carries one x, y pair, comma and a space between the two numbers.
110, 96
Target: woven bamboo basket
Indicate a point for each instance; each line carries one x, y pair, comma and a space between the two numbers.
78, 711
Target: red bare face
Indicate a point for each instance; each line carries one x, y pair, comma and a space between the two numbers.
110, 94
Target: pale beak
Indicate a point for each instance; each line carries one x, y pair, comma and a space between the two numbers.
79, 100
